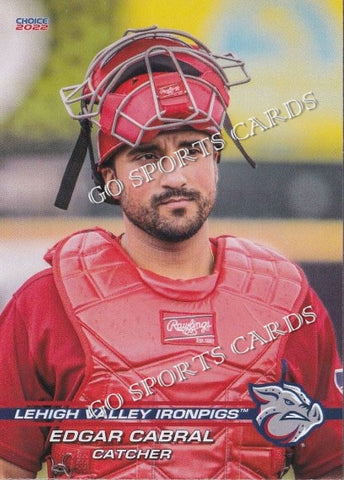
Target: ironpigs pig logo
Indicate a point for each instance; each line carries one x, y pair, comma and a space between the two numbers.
286, 414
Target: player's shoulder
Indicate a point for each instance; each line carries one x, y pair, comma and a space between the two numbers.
246, 248
79, 239
37, 298
38, 284
259, 273
244, 254
43, 281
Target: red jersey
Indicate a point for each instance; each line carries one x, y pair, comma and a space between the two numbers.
46, 362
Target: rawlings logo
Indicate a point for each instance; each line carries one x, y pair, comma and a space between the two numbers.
188, 329
173, 90
286, 414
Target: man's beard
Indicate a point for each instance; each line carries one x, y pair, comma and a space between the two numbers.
164, 227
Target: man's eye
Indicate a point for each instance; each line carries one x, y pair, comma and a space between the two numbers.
147, 157
194, 151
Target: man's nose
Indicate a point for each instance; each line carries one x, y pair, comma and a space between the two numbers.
171, 173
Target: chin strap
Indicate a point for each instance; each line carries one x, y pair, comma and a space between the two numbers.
227, 125
74, 165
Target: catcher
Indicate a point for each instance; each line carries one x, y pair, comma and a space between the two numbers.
171, 341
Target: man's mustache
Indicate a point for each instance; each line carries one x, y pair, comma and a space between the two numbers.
175, 193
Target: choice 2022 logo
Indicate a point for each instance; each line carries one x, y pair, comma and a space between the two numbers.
32, 23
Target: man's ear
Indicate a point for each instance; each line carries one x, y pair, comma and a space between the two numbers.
112, 186
107, 173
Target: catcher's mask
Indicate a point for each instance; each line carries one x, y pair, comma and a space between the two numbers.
149, 81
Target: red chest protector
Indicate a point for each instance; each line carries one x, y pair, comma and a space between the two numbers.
135, 325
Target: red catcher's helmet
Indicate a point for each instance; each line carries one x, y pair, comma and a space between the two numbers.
149, 81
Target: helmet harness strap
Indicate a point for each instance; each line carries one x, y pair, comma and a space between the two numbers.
227, 125
74, 165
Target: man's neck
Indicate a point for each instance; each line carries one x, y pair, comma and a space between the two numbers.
178, 260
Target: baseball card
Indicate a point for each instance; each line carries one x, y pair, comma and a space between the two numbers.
171, 241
